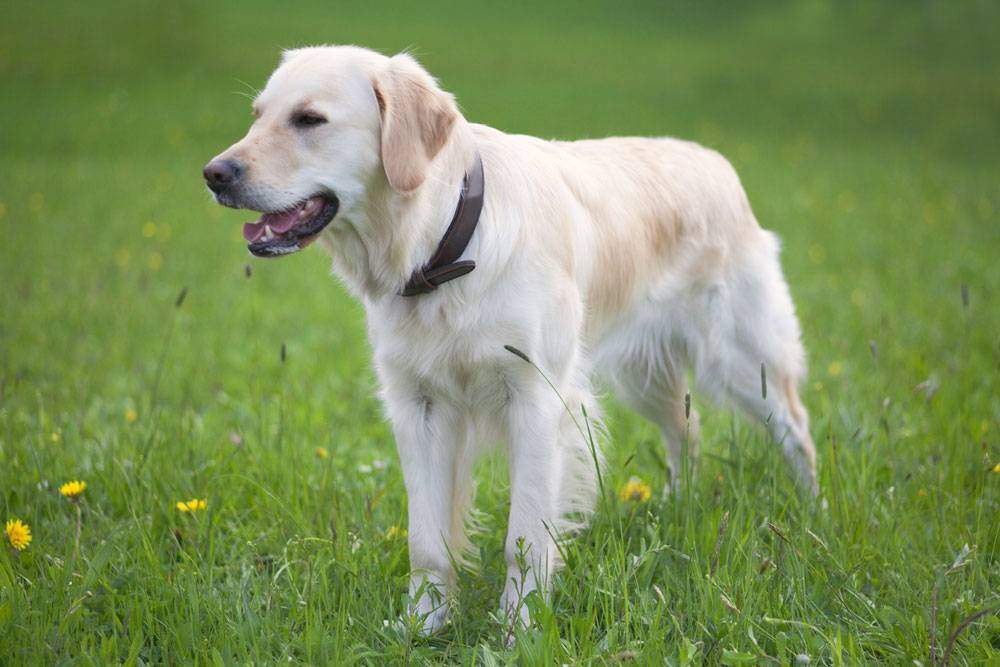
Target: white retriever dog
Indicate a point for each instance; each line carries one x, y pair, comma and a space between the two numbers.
636, 260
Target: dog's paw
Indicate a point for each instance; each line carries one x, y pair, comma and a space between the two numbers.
427, 620
432, 621
413, 623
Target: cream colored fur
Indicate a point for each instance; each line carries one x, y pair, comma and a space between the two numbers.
635, 260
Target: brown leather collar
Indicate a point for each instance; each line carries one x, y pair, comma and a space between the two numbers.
444, 265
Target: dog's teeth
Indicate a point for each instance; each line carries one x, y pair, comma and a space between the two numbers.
268, 234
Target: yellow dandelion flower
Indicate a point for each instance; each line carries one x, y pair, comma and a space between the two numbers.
18, 533
149, 229
922, 492
131, 415
635, 490
73, 489
395, 532
192, 505
122, 257
996, 468
322, 453
56, 437
155, 261
835, 368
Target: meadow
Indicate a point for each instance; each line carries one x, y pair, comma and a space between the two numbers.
143, 351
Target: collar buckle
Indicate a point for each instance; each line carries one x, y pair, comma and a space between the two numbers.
444, 265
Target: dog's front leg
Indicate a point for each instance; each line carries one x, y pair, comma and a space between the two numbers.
533, 422
428, 436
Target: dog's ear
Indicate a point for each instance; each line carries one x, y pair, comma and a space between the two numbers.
417, 117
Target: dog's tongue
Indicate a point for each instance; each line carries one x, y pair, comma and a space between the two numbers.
282, 222
279, 222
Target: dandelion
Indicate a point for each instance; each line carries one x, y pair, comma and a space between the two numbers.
73, 490
18, 533
996, 468
635, 490
155, 261
56, 437
395, 532
192, 505
131, 415
835, 368
322, 453
922, 492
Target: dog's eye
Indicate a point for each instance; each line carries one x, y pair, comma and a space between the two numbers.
307, 119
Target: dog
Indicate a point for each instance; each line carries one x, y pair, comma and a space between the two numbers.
503, 274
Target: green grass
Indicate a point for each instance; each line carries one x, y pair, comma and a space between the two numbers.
867, 137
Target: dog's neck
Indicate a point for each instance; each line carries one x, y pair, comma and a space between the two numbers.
394, 234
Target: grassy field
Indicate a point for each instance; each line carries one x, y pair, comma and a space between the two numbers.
867, 136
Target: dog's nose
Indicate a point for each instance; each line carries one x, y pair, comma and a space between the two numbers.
221, 174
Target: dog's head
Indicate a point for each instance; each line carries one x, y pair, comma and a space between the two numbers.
332, 124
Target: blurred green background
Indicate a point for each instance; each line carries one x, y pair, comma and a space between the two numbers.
867, 136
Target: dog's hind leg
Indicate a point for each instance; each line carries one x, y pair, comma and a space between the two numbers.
655, 386
780, 409
752, 354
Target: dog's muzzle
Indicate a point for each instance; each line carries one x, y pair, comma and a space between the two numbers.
275, 233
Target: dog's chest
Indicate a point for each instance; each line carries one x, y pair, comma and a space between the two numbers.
444, 353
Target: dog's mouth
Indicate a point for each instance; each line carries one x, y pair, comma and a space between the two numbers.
284, 232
